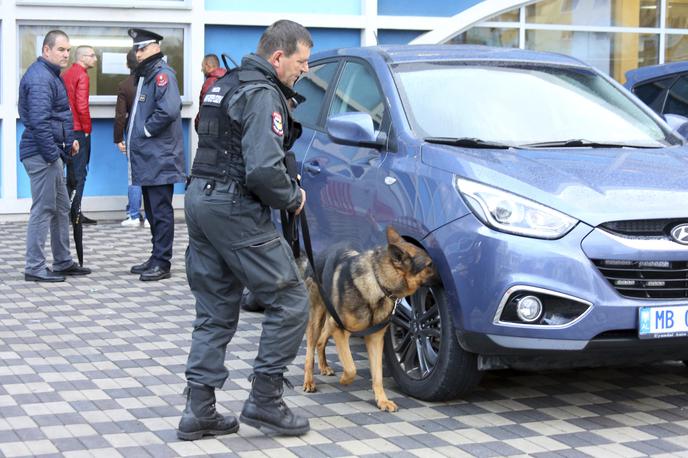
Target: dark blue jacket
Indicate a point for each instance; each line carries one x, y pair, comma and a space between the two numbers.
156, 143
44, 110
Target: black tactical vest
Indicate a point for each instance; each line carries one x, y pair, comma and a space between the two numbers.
219, 155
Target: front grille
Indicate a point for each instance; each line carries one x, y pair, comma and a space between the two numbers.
646, 279
642, 228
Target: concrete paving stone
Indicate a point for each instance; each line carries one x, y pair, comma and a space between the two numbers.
655, 447
580, 439
664, 430
488, 450
68, 444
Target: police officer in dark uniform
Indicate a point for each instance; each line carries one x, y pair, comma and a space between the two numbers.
155, 147
238, 174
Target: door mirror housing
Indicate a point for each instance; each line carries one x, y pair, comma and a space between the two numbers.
354, 129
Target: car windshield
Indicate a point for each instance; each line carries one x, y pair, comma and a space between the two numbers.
522, 105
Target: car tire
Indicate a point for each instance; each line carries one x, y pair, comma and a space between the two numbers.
422, 325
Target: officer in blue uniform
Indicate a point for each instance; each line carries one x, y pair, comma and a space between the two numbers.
155, 147
237, 176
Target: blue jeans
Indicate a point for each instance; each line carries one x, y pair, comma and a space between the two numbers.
134, 204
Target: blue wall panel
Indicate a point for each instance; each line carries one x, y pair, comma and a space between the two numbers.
107, 175
396, 37
423, 8
238, 41
293, 6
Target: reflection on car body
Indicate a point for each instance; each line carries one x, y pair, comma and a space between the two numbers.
544, 192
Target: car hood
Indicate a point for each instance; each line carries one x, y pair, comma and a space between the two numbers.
593, 185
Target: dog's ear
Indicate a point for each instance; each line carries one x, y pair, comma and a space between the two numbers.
393, 236
400, 258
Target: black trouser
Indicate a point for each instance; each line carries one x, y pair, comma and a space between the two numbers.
157, 201
232, 243
77, 169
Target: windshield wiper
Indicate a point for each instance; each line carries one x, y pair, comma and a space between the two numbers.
467, 142
581, 142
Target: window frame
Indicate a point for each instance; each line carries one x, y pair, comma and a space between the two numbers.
671, 80
110, 100
386, 119
322, 114
677, 77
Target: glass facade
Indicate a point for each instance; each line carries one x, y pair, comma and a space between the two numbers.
677, 14
491, 36
613, 35
613, 53
676, 48
624, 13
111, 44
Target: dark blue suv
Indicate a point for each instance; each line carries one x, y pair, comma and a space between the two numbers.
553, 203
664, 88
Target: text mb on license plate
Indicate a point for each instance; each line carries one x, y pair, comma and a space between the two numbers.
661, 322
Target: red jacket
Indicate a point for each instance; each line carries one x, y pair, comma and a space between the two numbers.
215, 73
77, 83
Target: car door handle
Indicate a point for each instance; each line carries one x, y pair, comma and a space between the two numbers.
313, 168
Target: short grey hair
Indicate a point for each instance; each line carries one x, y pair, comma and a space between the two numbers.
283, 35
51, 38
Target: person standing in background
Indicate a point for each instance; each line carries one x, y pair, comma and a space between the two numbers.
126, 91
48, 138
78, 88
155, 148
212, 71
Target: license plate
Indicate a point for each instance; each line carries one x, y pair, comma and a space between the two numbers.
663, 322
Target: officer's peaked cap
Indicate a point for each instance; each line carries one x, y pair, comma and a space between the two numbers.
143, 38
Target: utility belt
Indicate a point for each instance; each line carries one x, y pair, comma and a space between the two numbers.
212, 184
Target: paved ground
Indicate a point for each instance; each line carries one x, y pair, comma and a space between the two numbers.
94, 367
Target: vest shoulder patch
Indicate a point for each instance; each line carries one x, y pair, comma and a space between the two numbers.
277, 125
161, 79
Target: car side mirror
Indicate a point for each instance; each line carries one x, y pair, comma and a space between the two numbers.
354, 129
678, 124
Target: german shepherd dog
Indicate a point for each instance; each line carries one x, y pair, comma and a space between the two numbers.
363, 288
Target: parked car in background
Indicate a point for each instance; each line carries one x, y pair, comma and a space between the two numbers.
664, 88
553, 203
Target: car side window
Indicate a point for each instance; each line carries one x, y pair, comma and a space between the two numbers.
653, 93
677, 102
313, 85
357, 91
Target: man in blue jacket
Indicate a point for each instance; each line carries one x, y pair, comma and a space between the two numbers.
48, 138
155, 148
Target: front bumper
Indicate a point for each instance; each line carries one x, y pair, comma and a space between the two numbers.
479, 265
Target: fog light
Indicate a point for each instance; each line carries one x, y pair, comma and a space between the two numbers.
529, 308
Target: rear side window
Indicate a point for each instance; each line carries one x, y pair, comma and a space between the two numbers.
313, 85
653, 93
358, 91
677, 102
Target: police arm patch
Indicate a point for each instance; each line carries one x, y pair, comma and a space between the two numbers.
161, 80
277, 126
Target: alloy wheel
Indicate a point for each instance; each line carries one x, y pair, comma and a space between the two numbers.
415, 333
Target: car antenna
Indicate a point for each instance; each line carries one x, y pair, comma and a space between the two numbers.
226, 56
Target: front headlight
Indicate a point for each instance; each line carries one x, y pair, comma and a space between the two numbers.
510, 213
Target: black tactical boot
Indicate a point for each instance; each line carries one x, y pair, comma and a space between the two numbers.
200, 417
265, 408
